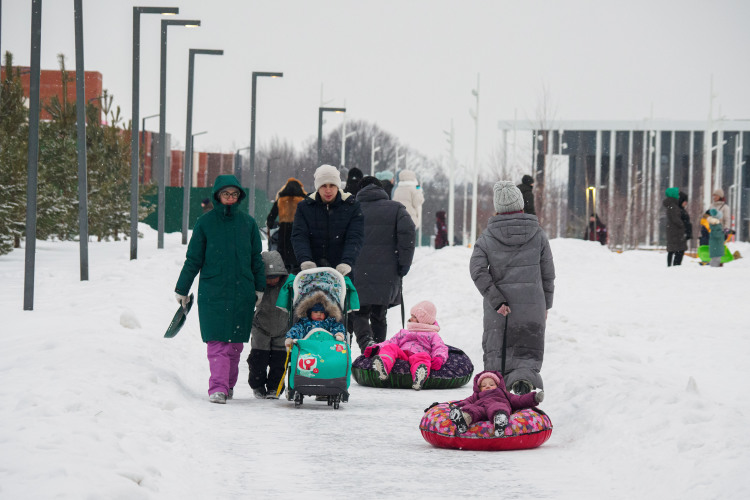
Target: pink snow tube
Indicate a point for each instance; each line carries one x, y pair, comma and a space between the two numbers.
528, 428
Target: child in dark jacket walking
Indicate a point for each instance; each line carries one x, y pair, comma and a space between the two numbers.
490, 401
267, 352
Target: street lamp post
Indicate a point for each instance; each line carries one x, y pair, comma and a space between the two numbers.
475, 180
143, 139
251, 187
134, 153
33, 154
162, 174
322, 110
373, 149
268, 177
187, 166
238, 163
83, 218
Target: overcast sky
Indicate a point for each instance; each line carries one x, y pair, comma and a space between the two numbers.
410, 66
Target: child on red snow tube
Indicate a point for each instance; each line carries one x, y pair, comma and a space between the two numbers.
490, 401
419, 344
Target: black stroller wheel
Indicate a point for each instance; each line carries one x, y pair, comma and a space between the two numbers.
330, 400
336, 402
298, 398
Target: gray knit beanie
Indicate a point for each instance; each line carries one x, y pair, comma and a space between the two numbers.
326, 174
507, 197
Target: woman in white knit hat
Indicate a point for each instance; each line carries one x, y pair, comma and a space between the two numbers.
513, 269
329, 228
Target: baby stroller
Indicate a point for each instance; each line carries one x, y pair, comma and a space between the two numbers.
319, 365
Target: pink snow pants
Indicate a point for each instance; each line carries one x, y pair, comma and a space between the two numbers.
224, 363
389, 353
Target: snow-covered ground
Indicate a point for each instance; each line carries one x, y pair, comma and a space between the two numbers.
646, 380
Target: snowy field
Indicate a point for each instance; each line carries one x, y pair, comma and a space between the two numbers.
646, 375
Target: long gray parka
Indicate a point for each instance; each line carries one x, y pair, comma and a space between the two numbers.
388, 248
512, 262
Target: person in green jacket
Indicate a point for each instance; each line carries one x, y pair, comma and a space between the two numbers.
225, 248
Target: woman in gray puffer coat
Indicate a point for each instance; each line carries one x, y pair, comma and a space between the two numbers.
512, 268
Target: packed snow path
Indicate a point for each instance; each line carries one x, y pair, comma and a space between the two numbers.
646, 379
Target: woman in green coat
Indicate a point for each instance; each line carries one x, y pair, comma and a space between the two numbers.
225, 248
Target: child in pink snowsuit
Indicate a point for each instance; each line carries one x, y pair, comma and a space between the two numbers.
490, 401
419, 344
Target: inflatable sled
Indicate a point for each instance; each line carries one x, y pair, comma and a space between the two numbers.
455, 372
703, 254
528, 428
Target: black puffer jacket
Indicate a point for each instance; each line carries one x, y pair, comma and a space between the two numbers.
388, 248
527, 191
328, 234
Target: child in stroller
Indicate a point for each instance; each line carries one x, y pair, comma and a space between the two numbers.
319, 356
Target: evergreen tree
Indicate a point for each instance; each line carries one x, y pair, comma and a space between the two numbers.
13, 158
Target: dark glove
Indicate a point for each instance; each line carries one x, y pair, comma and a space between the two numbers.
403, 270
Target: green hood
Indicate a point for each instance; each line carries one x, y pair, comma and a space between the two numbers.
672, 192
224, 181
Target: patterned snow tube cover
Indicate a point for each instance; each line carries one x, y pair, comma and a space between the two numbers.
455, 372
528, 428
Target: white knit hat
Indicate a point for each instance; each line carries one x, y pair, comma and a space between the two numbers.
507, 197
327, 174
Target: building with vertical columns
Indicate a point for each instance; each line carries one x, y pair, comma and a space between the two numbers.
619, 170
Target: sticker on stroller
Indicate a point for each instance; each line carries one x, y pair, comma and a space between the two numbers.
307, 364
339, 348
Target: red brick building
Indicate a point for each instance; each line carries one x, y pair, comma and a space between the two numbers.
51, 84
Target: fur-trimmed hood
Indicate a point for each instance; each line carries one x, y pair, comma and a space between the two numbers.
332, 310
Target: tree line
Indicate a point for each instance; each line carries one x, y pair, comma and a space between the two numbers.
108, 166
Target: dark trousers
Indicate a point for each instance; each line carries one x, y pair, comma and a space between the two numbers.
266, 369
369, 323
674, 258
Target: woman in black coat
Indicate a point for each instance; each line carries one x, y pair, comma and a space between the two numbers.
386, 257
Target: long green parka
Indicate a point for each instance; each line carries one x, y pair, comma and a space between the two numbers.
225, 247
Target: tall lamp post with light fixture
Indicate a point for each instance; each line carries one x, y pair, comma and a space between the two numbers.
251, 198
162, 173
134, 152
187, 166
322, 110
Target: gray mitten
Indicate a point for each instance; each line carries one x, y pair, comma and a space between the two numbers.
308, 264
539, 396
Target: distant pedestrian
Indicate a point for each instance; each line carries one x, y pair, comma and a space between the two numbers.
206, 205
441, 230
595, 230
716, 238
409, 193
386, 179
527, 190
353, 179
676, 230
720, 204
285, 207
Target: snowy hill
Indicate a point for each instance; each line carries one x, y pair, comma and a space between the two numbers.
646, 378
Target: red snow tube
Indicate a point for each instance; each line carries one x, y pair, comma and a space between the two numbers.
527, 429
